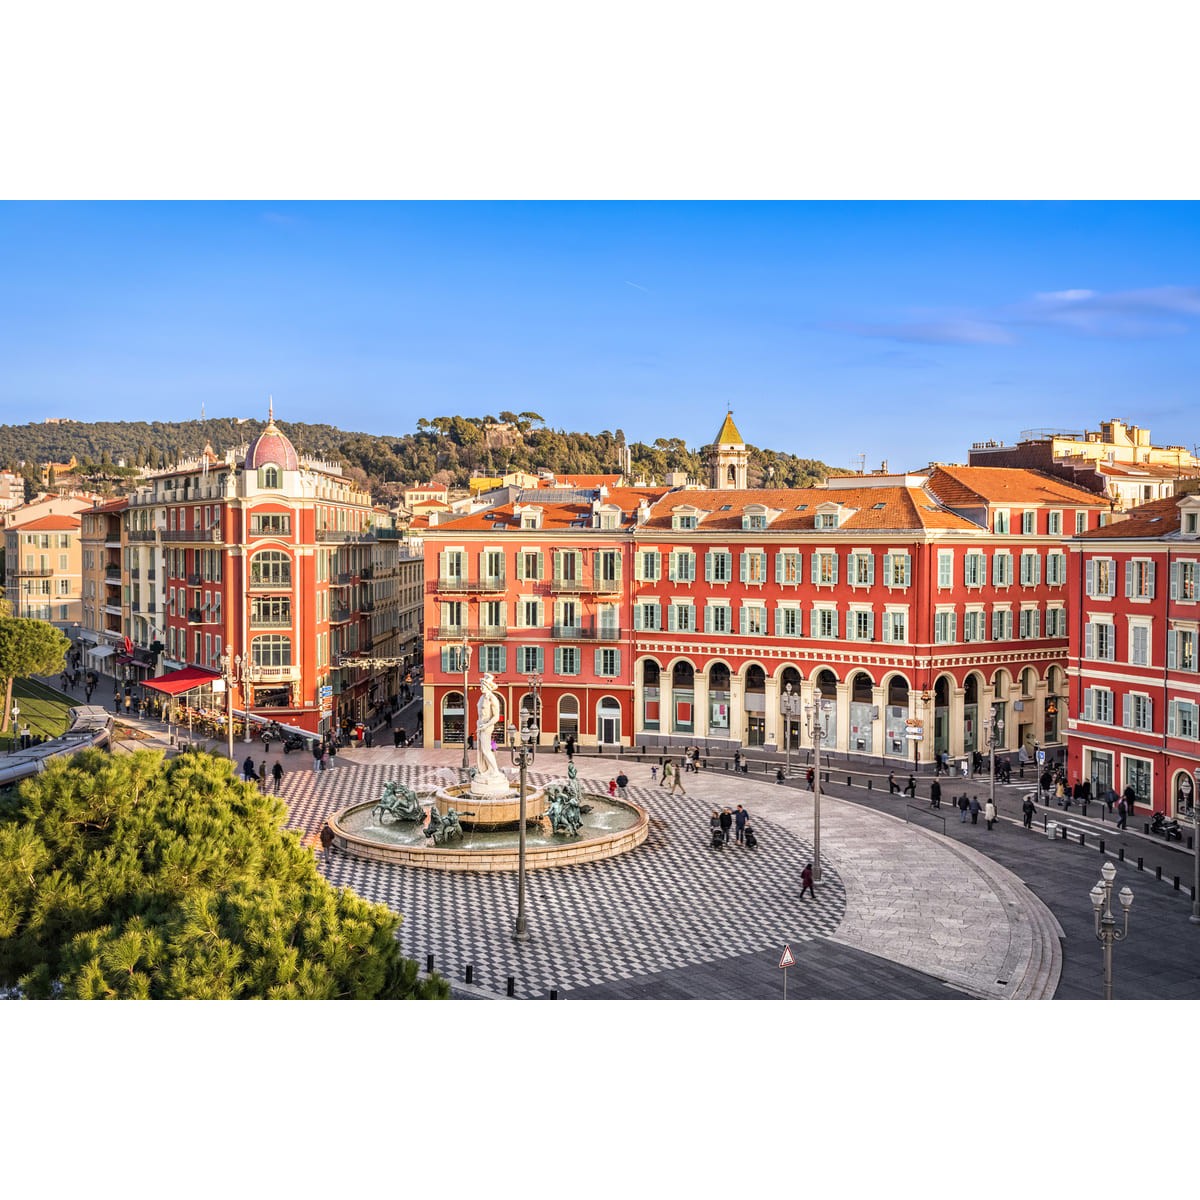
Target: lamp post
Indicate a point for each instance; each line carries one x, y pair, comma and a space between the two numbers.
789, 706
1107, 932
816, 713
995, 731
16, 733
465, 654
925, 698
1191, 816
523, 753
232, 673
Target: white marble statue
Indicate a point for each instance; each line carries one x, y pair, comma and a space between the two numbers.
489, 713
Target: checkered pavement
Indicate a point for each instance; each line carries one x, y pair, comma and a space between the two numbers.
672, 902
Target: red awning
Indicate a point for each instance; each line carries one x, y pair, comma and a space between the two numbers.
176, 682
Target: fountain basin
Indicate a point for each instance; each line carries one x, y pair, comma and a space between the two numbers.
492, 810
611, 828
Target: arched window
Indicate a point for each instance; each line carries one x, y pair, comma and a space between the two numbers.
270, 568
270, 476
271, 650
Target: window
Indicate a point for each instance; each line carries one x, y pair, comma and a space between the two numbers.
452, 659
718, 566
1098, 705
1029, 522
681, 618
824, 568
531, 659
271, 650
566, 660
491, 566
1139, 775
1030, 623
1081, 521
860, 625
754, 521
682, 566
1002, 574
271, 523
491, 658
1181, 649
787, 567
944, 630
974, 625
530, 564
974, 569
270, 610
717, 618
530, 612
754, 566
825, 622
754, 620
269, 476
895, 626
1056, 568
945, 568
270, 568
647, 615
647, 562
1054, 523
860, 569
1183, 579
608, 662
1181, 719
1031, 568
825, 521
608, 566
1139, 578
1138, 712
1190, 522
1000, 521
897, 569
787, 622
682, 521
1100, 577
1056, 622
1098, 641
1139, 645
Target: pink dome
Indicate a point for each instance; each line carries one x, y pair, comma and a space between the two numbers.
272, 446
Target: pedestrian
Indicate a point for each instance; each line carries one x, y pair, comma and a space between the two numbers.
695, 760
1060, 792
779, 775
910, 788
806, 882
740, 817
128, 703
622, 784
737, 760
935, 795
653, 774
726, 824
369, 738
714, 829
266, 740
677, 781
248, 769
612, 787
1027, 811
989, 814
116, 700
1110, 798
973, 806
396, 738
570, 745
811, 777
1130, 798
963, 805
326, 841
316, 753
667, 771
893, 786
262, 776
326, 761
87, 694
277, 773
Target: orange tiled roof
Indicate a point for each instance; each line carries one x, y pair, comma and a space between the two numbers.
54, 521
581, 481
1152, 520
556, 514
867, 508
1150, 470
967, 486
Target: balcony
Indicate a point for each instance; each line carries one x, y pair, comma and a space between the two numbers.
263, 674
268, 583
340, 616
35, 572
367, 573
192, 535
270, 622
589, 632
568, 585
195, 616
192, 581
367, 606
343, 535
143, 535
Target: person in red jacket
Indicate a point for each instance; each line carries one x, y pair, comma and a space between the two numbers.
806, 880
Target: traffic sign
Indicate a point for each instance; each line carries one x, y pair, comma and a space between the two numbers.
787, 960
914, 735
1041, 757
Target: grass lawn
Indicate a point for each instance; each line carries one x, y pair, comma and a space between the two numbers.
44, 709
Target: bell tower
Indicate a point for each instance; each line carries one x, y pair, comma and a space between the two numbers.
727, 458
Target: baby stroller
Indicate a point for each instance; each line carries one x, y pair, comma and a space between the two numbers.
718, 838
749, 838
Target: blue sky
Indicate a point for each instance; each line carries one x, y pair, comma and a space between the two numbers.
902, 331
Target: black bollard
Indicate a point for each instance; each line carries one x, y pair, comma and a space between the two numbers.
1121, 854
429, 964
1176, 883
1101, 845
848, 781
1139, 864
554, 993
471, 969
1158, 872
512, 985
870, 785
1081, 841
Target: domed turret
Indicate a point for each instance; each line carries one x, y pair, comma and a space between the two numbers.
272, 447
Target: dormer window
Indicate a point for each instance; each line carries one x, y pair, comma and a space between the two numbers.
685, 521
270, 476
827, 520
754, 521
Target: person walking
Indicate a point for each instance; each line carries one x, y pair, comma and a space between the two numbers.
612, 788
316, 753
989, 814
654, 774
893, 786
622, 784
248, 770
326, 841
726, 824
811, 777
910, 788
116, 700
1122, 813
1130, 798
973, 807
326, 760
396, 737
262, 776
740, 817
935, 795
277, 774
666, 774
963, 805
1027, 811
677, 781
806, 882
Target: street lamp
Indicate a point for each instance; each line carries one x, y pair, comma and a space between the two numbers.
995, 731
16, 712
523, 752
232, 672
816, 713
1107, 932
465, 653
789, 706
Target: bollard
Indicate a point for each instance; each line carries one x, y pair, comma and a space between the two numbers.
1139, 864
1158, 872
554, 993
470, 973
1081, 841
1146, 828
512, 984
1101, 845
726, 765
1121, 854
826, 779
870, 785
429, 963
1189, 841
1176, 883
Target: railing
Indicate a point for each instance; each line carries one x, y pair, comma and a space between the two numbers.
343, 535
340, 616
34, 572
261, 583
367, 606
567, 632
192, 580
269, 622
259, 674
367, 573
344, 579
192, 535
257, 530
568, 585
455, 633
143, 535
587, 633
110, 572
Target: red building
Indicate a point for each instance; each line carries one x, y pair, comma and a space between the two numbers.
1135, 620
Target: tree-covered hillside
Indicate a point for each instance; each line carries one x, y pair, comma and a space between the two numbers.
450, 449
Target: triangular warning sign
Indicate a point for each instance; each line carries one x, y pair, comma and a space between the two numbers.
786, 960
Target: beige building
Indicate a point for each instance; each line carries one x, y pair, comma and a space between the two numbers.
42, 572
105, 590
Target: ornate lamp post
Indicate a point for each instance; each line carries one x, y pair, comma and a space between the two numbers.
995, 732
232, 673
817, 713
465, 656
523, 752
1107, 932
16, 732
789, 706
